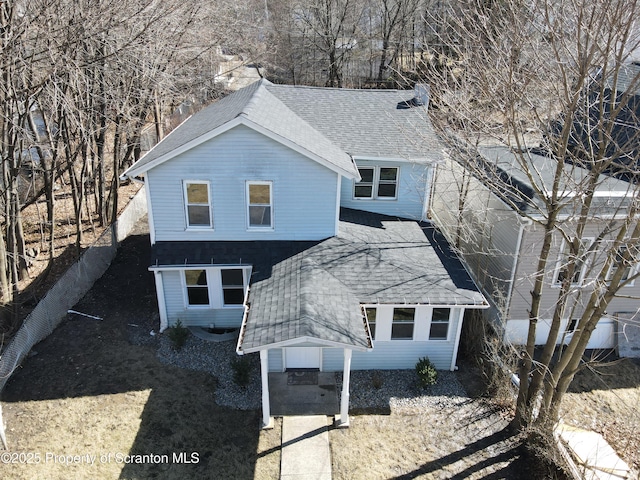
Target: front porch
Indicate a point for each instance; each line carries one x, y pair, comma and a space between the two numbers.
303, 392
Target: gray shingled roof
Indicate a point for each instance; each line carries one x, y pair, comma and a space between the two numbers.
366, 123
314, 289
331, 124
611, 193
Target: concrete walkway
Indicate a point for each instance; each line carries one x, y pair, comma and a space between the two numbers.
305, 451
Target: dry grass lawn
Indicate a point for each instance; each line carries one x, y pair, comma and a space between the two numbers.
97, 388
606, 399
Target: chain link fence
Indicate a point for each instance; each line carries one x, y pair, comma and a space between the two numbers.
70, 288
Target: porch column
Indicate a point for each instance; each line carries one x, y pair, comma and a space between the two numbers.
344, 397
264, 372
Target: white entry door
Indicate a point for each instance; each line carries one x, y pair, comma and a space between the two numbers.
302, 357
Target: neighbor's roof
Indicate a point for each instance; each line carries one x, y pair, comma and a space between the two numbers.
626, 80
611, 193
328, 124
314, 290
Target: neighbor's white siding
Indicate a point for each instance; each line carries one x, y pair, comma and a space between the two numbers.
413, 186
304, 192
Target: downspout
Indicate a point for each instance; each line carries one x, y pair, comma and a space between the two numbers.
512, 280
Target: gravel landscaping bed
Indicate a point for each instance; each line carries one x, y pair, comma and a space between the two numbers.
371, 390
215, 358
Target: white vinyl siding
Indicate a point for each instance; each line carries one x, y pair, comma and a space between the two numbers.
412, 187
304, 193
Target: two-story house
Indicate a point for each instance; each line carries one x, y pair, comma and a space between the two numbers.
296, 214
498, 235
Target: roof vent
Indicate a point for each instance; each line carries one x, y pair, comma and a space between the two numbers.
421, 92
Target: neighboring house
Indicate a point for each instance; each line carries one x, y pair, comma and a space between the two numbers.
500, 246
609, 119
296, 214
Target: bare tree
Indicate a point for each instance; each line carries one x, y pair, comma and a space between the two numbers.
553, 76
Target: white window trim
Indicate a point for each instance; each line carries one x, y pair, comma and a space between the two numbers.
214, 286
376, 183
185, 291
245, 285
633, 270
446, 339
561, 261
248, 204
185, 183
413, 331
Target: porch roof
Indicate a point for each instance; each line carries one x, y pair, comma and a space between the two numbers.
313, 291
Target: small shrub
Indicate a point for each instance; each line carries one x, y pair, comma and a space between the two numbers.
427, 373
178, 334
377, 380
241, 371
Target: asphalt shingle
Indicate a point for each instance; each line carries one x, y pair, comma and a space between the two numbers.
315, 289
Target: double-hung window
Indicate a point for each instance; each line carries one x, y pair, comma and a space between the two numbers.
215, 287
371, 317
579, 259
260, 205
377, 183
197, 287
439, 329
630, 267
197, 204
232, 286
402, 323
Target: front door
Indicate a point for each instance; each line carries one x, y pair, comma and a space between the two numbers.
302, 357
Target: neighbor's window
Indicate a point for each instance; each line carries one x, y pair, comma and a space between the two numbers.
439, 324
377, 183
197, 203
371, 316
232, 286
260, 204
197, 287
581, 263
402, 324
630, 268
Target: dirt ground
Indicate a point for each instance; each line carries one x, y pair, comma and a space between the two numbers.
93, 401
605, 399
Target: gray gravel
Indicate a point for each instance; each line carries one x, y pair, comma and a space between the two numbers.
370, 389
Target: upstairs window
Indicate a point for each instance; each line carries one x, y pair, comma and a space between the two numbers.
402, 324
232, 286
630, 267
581, 263
259, 205
377, 183
439, 329
197, 203
197, 287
